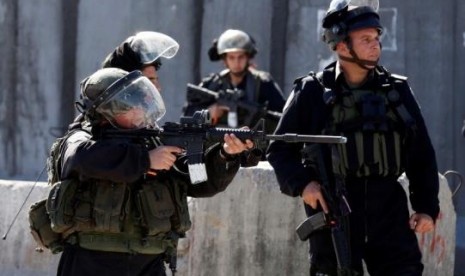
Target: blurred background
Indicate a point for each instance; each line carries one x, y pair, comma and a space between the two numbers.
48, 46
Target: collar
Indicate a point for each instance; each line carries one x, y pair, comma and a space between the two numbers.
242, 85
333, 78
338, 74
340, 80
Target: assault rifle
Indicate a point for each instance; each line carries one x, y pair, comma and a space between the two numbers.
232, 98
334, 193
192, 133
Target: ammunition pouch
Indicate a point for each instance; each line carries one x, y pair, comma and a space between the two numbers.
68, 209
94, 215
108, 206
156, 207
373, 113
40, 226
375, 134
180, 221
60, 205
163, 206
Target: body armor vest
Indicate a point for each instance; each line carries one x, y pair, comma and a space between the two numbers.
374, 141
145, 217
376, 125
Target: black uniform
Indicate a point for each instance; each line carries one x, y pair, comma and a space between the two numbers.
379, 227
259, 88
92, 159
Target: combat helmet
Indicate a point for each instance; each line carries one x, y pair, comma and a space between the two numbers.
231, 41
110, 93
141, 49
344, 16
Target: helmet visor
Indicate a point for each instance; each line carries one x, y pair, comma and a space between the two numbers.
374, 4
337, 5
135, 103
152, 45
342, 5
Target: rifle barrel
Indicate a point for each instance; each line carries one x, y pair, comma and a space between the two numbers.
297, 138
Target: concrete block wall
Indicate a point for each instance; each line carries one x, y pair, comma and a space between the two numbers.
250, 230
18, 256
247, 230
49, 47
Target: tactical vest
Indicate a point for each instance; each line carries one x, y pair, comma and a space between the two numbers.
376, 124
146, 217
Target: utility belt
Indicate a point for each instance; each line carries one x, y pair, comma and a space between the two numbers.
99, 212
122, 243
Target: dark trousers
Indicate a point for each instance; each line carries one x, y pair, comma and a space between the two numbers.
76, 261
379, 232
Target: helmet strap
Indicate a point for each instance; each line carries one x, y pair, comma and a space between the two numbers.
362, 63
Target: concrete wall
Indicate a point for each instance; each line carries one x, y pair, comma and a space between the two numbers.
18, 256
49, 47
250, 230
247, 230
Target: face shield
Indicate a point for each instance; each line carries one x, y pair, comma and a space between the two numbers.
340, 5
374, 4
337, 5
132, 102
150, 46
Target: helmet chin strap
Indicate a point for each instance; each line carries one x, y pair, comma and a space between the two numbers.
362, 63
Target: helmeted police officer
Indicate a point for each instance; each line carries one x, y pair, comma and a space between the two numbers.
236, 49
128, 202
386, 136
143, 51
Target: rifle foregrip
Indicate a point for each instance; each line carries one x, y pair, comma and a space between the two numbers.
311, 224
218, 133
